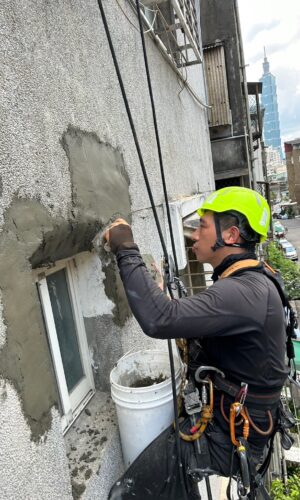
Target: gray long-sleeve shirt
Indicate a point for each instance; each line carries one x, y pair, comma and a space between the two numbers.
240, 320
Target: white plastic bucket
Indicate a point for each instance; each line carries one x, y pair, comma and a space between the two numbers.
143, 412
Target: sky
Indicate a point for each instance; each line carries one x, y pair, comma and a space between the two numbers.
275, 25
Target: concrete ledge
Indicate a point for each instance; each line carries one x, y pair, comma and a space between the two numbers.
93, 449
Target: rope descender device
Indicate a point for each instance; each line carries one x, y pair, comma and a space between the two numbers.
194, 404
171, 277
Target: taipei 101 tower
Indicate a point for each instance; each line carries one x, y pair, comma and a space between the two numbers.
270, 105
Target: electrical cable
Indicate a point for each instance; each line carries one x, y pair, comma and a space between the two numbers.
113, 54
121, 8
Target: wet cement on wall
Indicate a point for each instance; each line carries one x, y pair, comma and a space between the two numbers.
103, 331
31, 238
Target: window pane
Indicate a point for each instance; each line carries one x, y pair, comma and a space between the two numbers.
65, 327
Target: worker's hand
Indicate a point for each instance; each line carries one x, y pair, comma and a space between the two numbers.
118, 233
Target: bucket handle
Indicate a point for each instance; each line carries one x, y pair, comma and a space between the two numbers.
183, 367
126, 354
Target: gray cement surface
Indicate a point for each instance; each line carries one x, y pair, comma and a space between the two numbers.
87, 444
32, 238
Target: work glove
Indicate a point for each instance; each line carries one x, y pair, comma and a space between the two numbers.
119, 236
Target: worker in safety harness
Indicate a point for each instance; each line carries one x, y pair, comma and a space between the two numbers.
236, 334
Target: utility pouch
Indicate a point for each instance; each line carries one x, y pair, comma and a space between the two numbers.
285, 417
286, 420
286, 440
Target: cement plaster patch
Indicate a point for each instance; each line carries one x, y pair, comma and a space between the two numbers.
102, 332
30, 471
25, 358
32, 238
98, 176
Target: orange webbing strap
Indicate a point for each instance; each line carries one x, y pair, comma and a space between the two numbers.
241, 264
270, 268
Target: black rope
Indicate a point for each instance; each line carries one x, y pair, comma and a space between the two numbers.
161, 165
137, 145
157, 225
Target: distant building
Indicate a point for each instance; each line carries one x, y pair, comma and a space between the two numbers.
274, 163
270, 105
235, 135
292, 152
276, 173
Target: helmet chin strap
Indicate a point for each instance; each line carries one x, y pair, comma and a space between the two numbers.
220, 243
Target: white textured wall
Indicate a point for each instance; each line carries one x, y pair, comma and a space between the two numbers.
91, 292
30, 471
56, 70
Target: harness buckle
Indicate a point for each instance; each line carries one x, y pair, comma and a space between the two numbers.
242, 394
192, 401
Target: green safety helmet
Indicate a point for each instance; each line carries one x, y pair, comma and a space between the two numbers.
243, 200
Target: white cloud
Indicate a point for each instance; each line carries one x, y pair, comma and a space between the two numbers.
275, 25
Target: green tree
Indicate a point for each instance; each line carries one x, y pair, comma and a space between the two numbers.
289, 271
289, 492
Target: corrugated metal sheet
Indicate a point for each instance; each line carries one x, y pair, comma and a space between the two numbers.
216, 78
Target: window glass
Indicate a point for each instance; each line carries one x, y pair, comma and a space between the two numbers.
65, 328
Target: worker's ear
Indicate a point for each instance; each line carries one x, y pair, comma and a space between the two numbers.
231, 235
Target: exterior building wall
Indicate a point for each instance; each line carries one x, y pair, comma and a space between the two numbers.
275, 165
259, 170
229, 139
219, 25
292, 151
68, 164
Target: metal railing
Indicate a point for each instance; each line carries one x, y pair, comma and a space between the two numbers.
175, 24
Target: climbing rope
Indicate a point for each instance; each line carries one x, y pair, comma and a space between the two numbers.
148, 187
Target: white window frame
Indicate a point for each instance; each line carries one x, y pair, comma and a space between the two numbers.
72, 403
179, 210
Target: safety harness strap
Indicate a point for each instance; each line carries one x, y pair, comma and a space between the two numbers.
270, 273
237, 266
257, 483
225, 386
232, 389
